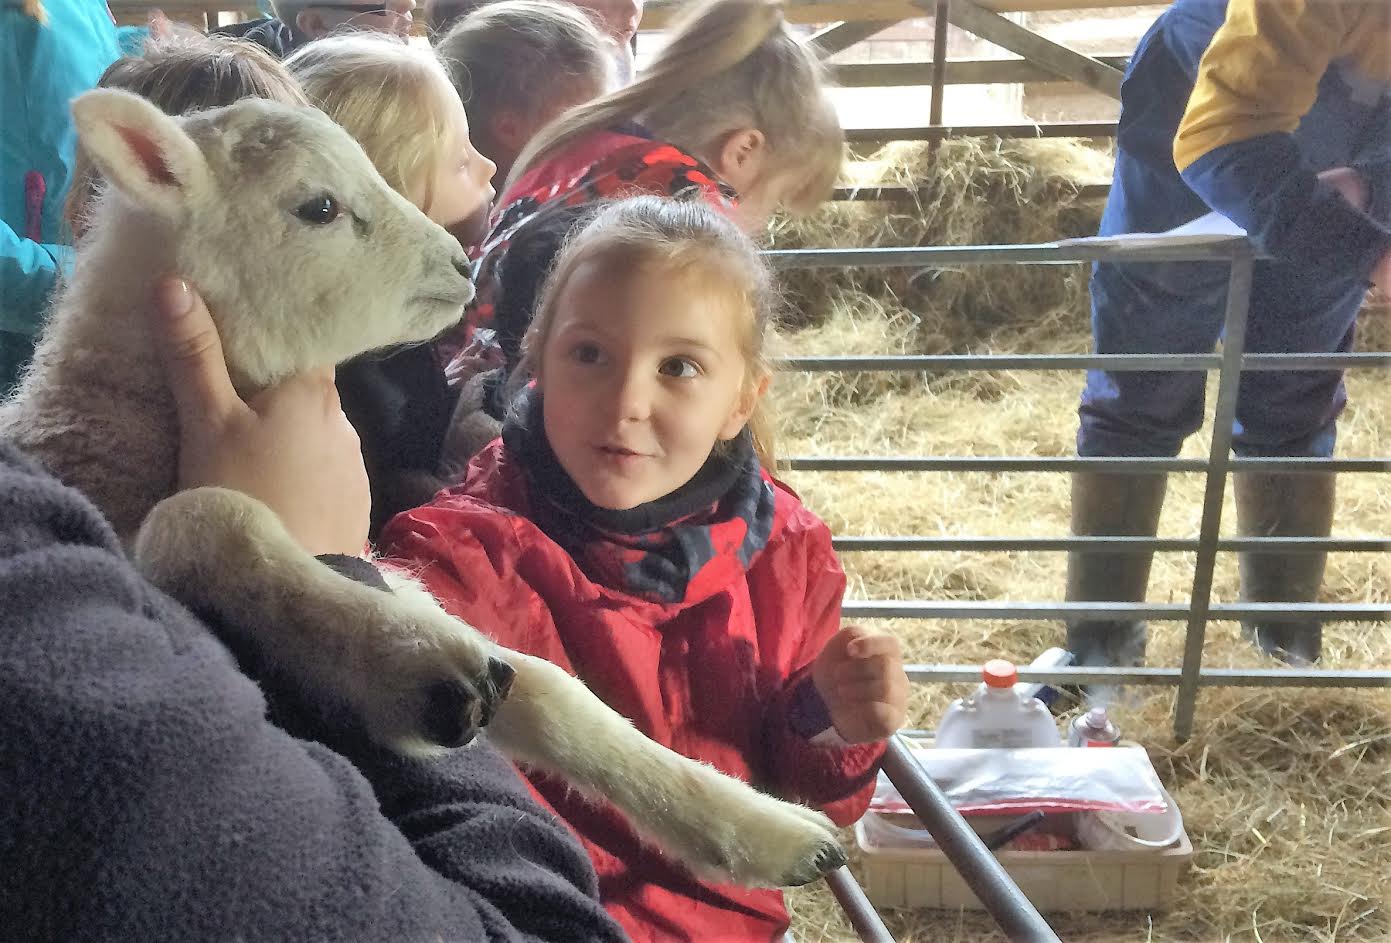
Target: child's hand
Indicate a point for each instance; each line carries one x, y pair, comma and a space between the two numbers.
860, 677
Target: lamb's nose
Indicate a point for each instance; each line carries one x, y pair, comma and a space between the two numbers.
462, 266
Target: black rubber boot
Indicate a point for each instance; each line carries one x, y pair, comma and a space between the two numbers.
1282, 504
1111, 504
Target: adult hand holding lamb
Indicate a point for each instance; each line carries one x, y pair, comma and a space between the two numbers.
860, 676
290, 447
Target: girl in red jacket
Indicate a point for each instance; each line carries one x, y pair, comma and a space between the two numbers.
626, 528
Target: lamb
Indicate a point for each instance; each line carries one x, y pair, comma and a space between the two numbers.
303, 252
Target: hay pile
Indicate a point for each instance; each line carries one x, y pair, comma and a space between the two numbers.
973, 192
1286, 793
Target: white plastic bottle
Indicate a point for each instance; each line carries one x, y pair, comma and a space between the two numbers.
997, 716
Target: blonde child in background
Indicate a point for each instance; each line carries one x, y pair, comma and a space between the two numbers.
617, 20
627, 528
733, 111
397, 101
517, 65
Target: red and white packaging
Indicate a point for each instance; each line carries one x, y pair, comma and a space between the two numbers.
1009, 782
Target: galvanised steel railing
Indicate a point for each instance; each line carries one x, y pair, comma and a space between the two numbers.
1229, 362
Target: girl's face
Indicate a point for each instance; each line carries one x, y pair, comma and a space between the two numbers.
642, 373
461, 193
763, 196
742, 159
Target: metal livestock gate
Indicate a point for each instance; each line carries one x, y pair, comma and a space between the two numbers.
1003, 901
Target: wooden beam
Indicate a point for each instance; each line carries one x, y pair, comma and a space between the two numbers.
1060, 129
842, 36
940, 19
959, 72
659, 14
1055, 57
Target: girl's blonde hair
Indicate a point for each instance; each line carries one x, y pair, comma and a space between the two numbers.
393, 98
34, 8
520, 55
731, 64
678, 238
184, 72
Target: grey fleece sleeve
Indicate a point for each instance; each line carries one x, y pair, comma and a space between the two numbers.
147, 796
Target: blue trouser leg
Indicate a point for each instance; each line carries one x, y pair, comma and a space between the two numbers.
1294, 412
1278, 412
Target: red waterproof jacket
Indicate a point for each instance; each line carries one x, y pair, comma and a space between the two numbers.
715, 676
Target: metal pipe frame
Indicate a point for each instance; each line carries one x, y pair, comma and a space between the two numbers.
1154, 612
978, 867
1200, 610
1046, 253
1119, 363
1129, 465
1171, 677
861, 913
1155, 544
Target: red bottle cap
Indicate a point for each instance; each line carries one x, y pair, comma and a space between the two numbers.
999, 673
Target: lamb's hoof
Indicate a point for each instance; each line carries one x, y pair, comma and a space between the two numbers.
455, 710
830, 857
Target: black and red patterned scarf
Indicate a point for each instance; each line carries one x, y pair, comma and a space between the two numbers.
684, 546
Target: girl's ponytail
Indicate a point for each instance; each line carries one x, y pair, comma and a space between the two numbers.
34, 8
713, 40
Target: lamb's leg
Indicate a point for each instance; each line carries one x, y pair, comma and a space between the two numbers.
406, 667
419, 679
716, 825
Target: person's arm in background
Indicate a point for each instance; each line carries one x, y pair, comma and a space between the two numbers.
1373, 163
28, 273
1235, 146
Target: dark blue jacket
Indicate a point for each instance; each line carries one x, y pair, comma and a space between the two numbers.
147, 796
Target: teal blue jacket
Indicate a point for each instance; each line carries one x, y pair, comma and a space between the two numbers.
42, 68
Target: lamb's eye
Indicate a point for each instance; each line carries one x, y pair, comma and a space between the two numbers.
319, 211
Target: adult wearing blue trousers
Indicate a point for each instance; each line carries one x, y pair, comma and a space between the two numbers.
1276, 113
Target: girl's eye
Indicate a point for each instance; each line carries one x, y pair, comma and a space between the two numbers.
320, 211
586, 353
680, 368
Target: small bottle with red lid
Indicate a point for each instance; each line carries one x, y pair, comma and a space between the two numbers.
997, 716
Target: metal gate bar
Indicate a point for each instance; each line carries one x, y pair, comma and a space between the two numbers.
861, 913
1133, 465
1210, 677
1159, 544
978, 867
1113, 362
1154, 612
1238, 254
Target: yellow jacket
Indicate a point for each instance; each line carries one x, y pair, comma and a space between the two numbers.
1261, 73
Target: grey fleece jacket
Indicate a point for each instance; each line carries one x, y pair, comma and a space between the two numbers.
144, 795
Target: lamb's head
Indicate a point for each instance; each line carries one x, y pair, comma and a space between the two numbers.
305, 256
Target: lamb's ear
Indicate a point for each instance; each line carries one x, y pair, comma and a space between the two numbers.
140, 150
